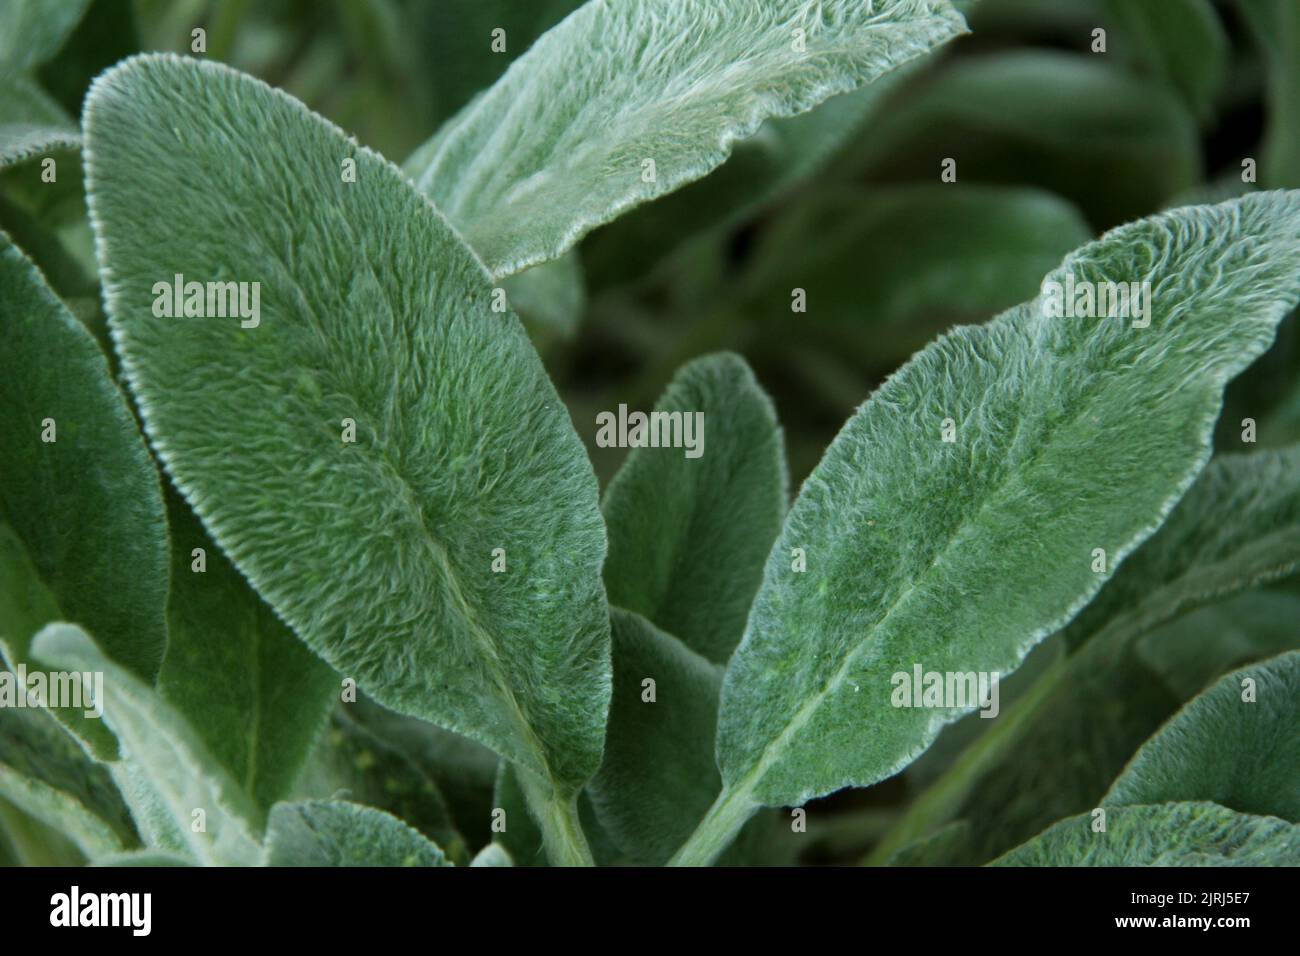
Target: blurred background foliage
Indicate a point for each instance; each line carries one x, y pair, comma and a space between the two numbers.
1054, 143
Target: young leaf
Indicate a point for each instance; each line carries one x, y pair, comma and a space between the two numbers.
335, 833
1168, 834
623, 102
166, 771
31, 123
658, 777
1235, 745
688, 535
255, 694
416, 434
895, 525
78, 488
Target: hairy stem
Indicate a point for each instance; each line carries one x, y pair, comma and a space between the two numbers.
557, 815
729, 813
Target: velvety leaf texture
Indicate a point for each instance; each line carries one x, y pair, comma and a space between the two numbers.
1241, 754
1169, 834
255, 694
378, 552
335, 833
659, 777
87, 506
557, 145
31, 123
960, 555
165, 761
688, 536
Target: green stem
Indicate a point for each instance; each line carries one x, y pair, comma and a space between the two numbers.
729, 813
566, 844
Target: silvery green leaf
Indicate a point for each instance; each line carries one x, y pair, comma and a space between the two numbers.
31, 123
373, 311
255, 694
658, 777
895, 524
336, 833
354, 764
1235, 745
494, 854
1180, 41
689, 530
165, 769
31, 31
560, 144
150, 858
1168, 834
86, 504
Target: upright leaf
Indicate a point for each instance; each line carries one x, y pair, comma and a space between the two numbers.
393, 432
255, 694
1180, 41
959, 555
335, 833
165, 768
688, 532
1276, 27
77, 487
1236, 745
1167, 834
31, 31
623, 102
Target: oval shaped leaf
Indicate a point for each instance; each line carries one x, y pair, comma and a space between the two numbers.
392, 431
959, 555
336, 833
622, 102
689, 529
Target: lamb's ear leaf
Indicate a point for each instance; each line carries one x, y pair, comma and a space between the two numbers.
150, 858
522, 838
894, 525
494, 854
255, 694
566, 139
1181, 41
337, 833
549, 297
1166, 834
31, 123
1276, 27
391, 427
31, 31
78, 489
689, 529
658, 777
1235, 745
1238, 527
165, 772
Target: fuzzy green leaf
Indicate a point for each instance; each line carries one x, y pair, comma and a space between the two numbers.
1169, 834
688, 535
31, 123
255, 694
165, 771
1237, 751
897, 525
492, 855
557, 146
87, 506
335, 833
372, 310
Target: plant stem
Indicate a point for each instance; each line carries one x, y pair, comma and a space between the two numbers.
729, 813
566, 844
